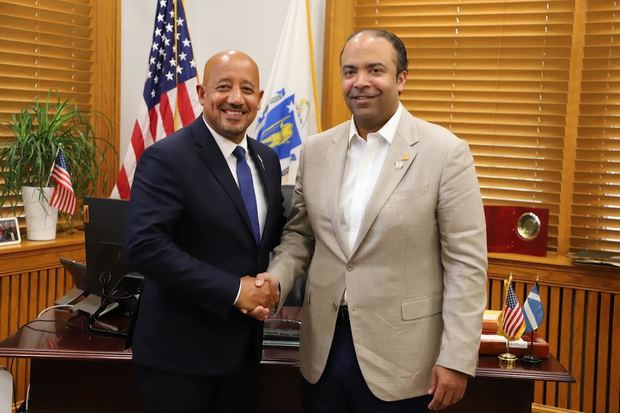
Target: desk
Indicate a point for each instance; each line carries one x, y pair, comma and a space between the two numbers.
73, 370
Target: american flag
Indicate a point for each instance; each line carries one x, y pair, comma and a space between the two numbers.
169, 99
63, 197
512, 318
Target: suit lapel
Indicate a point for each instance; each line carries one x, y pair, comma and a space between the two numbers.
271, 191
399, 158
335, 161
211, 154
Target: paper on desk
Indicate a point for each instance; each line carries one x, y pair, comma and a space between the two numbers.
520, 343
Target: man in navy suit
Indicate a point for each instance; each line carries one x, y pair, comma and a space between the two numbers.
205, 211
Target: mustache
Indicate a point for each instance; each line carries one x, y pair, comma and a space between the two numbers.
229, 106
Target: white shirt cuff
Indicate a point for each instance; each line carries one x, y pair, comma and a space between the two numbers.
238, 293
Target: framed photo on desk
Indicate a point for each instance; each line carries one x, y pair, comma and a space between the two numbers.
9, 231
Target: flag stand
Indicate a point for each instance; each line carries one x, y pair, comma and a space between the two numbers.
507, 360
531, 358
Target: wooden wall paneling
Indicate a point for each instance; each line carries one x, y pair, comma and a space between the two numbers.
590, 351
578, 325
539, 392
572, 127
553, 333
4, 306
42, 292
14, 291
339, 24
602, 359
575, 366
495, 296
60, 282
25, 292
489, 294
565, 338
4, 314
555, 272
22, 315
614, 380
544, 298
520, 291
539, 386
106, 93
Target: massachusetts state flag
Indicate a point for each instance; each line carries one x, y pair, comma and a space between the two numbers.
290, 101
533, 310
169, 100
63, 197
511, 323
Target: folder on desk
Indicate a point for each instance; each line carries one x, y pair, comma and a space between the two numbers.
493, 344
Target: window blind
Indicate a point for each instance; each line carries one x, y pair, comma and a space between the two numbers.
596, 195
46, 44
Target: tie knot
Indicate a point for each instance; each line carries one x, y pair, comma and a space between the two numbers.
239, 153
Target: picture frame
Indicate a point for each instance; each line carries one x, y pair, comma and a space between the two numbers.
9, 232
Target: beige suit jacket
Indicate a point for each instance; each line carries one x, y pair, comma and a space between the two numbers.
416, 276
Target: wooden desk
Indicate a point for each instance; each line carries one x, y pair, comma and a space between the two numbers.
73, 370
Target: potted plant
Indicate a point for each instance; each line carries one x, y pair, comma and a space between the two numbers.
41, 132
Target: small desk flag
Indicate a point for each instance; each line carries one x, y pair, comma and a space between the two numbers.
511, 323
533, 310
63, 197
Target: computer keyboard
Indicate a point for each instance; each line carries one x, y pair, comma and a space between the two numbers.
281, 334
281, 337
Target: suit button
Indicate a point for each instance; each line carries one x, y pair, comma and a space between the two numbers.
349, 267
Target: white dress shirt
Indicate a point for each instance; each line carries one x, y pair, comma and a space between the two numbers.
227, 147
365, 158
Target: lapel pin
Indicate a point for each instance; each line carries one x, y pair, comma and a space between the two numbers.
405, 156
261, 161
398, 165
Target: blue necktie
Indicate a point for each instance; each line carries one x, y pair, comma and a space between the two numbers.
246, 187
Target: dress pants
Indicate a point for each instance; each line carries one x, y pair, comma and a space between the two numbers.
167, 392
342, 388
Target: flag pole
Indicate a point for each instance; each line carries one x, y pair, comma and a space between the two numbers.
176, 75
315, 89
507, 360
531, 358
52, 168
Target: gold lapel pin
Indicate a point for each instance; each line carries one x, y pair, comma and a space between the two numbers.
400, 164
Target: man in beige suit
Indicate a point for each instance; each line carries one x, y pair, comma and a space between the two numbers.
387, 221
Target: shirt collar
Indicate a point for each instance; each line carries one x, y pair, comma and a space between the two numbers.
387, 131
226, 146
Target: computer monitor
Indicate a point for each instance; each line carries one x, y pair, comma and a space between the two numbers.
104, 228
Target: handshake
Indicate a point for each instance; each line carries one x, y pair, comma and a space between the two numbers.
259, 295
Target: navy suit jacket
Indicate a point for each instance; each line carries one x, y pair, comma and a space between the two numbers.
189, 234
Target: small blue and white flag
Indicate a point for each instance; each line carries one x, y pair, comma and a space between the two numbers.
533, 310
290, 101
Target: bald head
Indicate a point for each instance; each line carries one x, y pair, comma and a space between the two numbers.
230, 57
230, 93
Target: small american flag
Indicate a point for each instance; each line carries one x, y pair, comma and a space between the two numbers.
512, 319
63, 197
169, 99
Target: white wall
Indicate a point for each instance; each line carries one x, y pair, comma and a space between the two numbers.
252, 26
